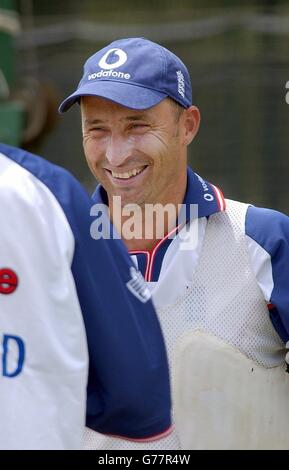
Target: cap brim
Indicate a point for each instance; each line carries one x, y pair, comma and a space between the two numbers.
126, 94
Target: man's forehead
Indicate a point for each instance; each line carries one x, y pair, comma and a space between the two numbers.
92, 105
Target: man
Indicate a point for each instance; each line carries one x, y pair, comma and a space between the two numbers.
65, 297
223, 303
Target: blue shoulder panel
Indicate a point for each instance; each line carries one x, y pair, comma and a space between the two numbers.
128, 388
270, 229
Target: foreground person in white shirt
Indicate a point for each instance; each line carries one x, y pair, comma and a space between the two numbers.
80, 343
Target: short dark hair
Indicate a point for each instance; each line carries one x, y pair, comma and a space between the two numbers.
177, 109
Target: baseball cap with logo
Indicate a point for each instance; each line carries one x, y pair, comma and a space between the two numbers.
136, 73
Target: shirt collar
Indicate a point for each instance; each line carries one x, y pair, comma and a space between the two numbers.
206, 197
99, 196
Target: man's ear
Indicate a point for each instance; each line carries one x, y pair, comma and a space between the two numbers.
191, 124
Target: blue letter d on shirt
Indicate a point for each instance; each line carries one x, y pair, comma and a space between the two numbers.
13, 354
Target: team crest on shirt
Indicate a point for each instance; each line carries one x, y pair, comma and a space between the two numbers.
8, 281
137, 286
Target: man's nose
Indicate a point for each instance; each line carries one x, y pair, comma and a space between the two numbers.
118, 150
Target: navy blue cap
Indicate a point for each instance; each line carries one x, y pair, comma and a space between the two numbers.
136, 73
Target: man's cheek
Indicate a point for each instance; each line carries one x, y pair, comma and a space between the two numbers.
151, 145
94, 152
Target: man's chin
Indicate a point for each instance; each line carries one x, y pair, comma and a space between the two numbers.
125, 198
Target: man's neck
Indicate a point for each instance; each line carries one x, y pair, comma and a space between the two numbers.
145, 226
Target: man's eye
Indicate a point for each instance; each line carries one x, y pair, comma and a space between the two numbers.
138, 126
97, 131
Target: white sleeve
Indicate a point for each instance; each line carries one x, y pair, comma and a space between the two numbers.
262, 267
43, 363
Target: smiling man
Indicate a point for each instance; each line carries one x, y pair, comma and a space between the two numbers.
156, 140
223, 304
156, 170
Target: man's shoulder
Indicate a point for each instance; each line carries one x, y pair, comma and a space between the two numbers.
37, 181
43, 170
260, 218
268, 227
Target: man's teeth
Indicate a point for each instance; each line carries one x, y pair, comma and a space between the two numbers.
128, 174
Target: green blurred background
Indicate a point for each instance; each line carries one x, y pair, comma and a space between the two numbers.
237, 54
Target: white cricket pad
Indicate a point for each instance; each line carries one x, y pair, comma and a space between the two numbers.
224, 400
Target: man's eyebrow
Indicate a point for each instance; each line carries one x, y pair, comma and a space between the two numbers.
90, 122
135, 117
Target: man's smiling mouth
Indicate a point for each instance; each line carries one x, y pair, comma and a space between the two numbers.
127, 174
